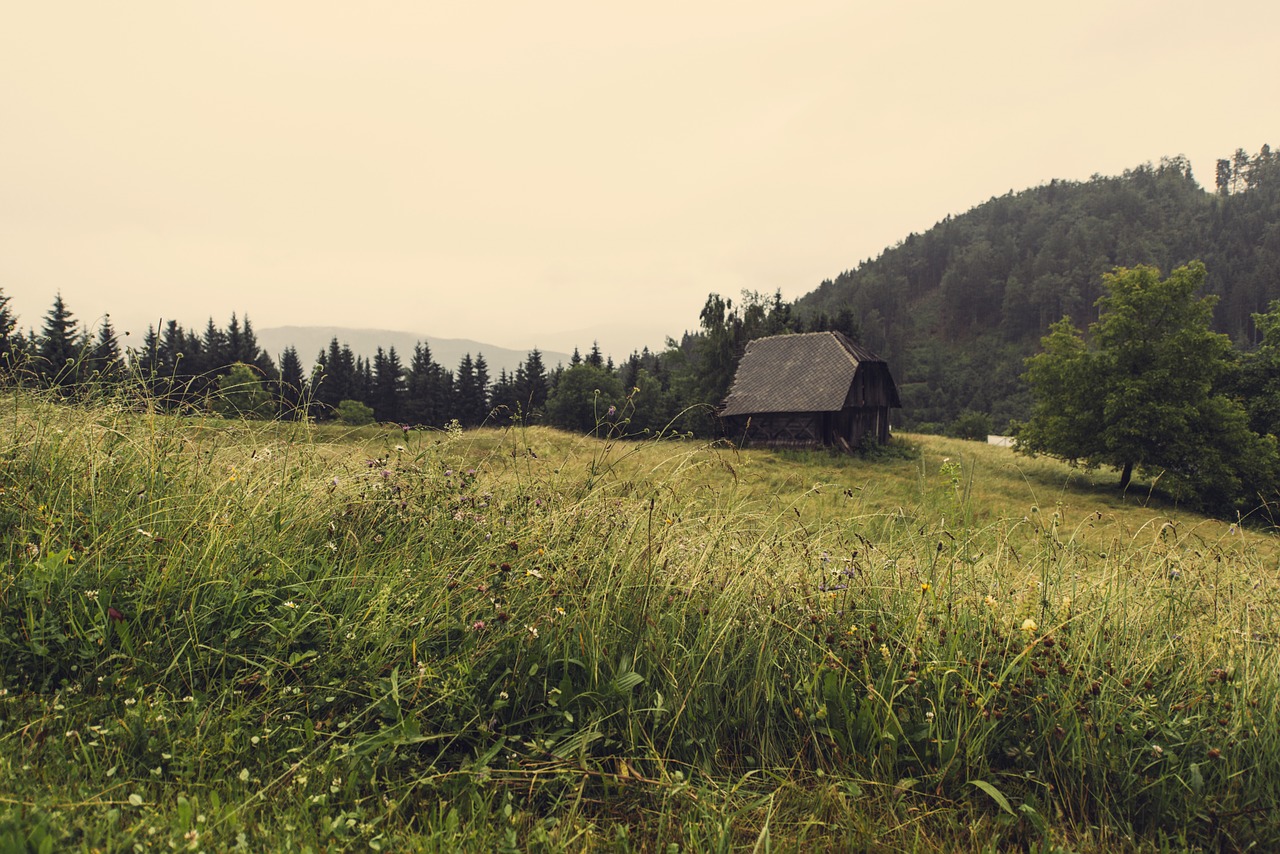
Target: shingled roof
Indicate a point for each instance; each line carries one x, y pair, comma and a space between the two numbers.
809, 372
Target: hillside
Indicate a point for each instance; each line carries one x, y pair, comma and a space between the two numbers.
237, 635
956, 309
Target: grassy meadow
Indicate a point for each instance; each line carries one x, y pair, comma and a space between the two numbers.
221, 635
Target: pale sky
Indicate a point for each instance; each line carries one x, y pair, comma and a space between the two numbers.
508, 172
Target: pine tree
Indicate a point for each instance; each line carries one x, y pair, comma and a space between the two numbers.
423, 401
104, 359
8, 323
503, 404
58, 348
388, 386
235, 342
173, 372
252, 354
217, 353
531, 386
465, 394
291, 388
334, 380
480, 400
363, 390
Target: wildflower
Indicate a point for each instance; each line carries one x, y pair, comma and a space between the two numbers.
290, 605
1157, 750
477, 626
990, 601
613, 410
91, 595
559, 611
1029, 625
928, 716
503, 695
884, 652
925, 587
400, 447
533, 630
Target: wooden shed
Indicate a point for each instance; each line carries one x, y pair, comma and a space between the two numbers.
817, 389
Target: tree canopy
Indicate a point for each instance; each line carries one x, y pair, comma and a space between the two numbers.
1146, 392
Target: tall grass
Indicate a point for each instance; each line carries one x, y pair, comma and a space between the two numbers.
219, 634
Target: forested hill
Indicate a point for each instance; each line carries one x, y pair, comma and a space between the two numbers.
956, 310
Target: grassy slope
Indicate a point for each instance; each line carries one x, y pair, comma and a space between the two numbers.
219, 634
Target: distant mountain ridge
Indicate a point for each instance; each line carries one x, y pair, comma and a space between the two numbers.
309, 341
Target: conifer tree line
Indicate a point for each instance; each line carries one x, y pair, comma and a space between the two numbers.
223, 369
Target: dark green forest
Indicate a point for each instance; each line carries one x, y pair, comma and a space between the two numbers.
955, 311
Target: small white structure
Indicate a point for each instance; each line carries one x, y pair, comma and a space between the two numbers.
1002, 441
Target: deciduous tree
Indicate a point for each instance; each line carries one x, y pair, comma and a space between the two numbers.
1143, 393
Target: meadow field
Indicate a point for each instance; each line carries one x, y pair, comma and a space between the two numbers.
231, 635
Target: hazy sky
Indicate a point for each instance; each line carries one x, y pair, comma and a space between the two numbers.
510, 171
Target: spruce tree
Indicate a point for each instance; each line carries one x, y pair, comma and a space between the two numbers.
104, 359
480, 399
465, 392
335, 379
58, 348
421, 403
252, 354
8, 322
291, 388
531, 386
502, 397
388, 386
217, 353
